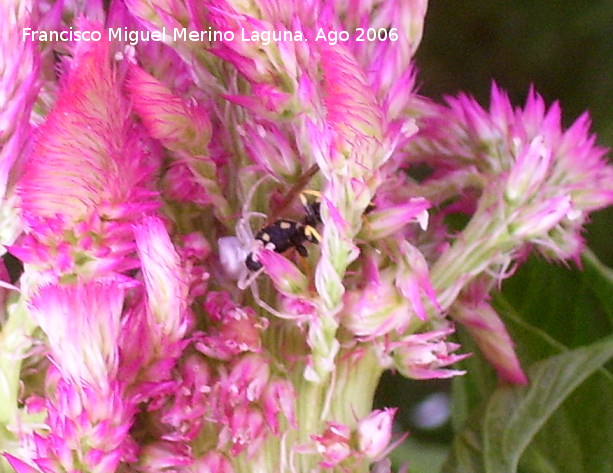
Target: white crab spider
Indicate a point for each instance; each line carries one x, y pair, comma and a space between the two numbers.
233, 252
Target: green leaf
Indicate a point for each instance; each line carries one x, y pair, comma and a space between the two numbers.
584, 425
547, 310
423, 457
569, 308
497, 434
600, 279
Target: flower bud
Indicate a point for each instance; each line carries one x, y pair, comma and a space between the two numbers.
374, 433
375, 309
386, 221
489, 332
212, 461
177, 124
420, 356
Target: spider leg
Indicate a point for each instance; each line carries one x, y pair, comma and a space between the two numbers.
248, 278
243, 228
264, 305
250, 194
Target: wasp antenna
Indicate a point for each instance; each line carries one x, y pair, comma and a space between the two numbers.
312, 192
312, 234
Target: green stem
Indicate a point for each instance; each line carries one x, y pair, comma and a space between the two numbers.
354, 387
15, 341
346, 398
473, 251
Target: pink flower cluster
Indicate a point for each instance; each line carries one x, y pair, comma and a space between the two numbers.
225, 243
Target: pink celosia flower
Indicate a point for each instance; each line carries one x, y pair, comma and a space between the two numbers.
249, 377
82, 254
300, 310
182, 185
82, 324
267, 100
279, 397
537, 181
157, 317
539, 168
347, 148
87, 414
244, 405
245, 430
272, 150
85, 423
165, 283
413, 279
351, 113
88, 175
385, 221
194, 253
19, 83
170, 13
161, 361
334, 445
179, 407
88, 155
259, 61
177, 124
340, 444
212, 461
422, 355
233, 329
163, 455
183, 128
377, 307
19, 465
387, 61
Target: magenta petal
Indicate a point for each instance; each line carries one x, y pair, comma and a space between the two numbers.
19, 465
